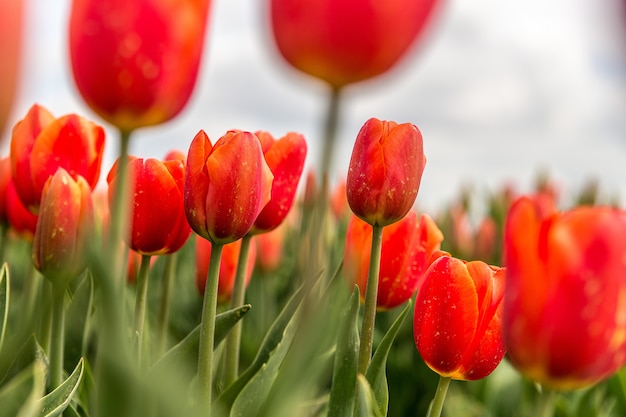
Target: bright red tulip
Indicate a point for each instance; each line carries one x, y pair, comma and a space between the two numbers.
158, 222
136, 63
226, 185
458, 318
20, 219
228, 266
65, 227
42, 144
564, 310
345, 41
385, 171
285, 158
405, 255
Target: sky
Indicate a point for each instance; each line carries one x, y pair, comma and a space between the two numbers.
500, 90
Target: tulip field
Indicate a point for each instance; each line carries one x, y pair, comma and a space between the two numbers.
223, 279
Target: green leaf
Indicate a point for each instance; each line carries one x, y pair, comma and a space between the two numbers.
343, 386
56, 402
31, 351
376, 374
5, 290
19, 397
366, 406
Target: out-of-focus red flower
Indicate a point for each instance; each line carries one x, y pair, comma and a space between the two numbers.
339, 202
11, 34
385, 171
228, 266
564, 304
20, 219
158, 222
64, 228
226, 185
41, 144
136, 63
406, 251
285, 158
270, 248
458, 318
345, 41
485, 239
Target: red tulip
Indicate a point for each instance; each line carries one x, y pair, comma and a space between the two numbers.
42, 144
20, 219
405, 255
158, 223
226, 185
285, 158
228, 266
345, 41
64, 228
458, 315
11, 34
136, 63
271, 247
385, 171
564, 311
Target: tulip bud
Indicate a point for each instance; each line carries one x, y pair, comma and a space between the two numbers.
458, 314
385, 171
226, 185
64, 227
564, 310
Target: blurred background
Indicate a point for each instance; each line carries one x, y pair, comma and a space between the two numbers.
500, 89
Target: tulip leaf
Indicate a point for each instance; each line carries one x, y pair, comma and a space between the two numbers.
376, 374
366, 406
343, 386
31, 351
5, 289
56, 402
20, 396
185, 353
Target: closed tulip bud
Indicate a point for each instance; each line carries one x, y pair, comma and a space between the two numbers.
564, 310
136, 63
226, 185
458, 317
40, 146
345, 41
285, 158
64, 228
385, 171
155, 184
228, 266
405, 255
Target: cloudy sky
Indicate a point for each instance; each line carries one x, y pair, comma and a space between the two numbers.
499, 88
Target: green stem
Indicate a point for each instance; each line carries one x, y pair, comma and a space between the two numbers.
371, 295
233, 341
207, 330
440, 396
58, 335
164, 310
545, 405
140, 302
330, 133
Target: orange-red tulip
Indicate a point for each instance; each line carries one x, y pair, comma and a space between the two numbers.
345, 41
458, 318
136, 63
158, 222
228, 266
64, 228
226, 185
285, 158
20, 219
564, 310
385, 171
405, 255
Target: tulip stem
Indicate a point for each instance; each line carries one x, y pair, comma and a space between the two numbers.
371, 295
207, 330
545, 405
233, 341
330, 132
164, 309
140, 302
440, 396
119, 210
58, 335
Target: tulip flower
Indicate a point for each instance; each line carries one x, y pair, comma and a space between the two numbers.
285, 158
20, 219
11, 34
346, 41
407, 247
228, 266
385, 171
156, 184
136, 64
227, 185
40, 145
564, 311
